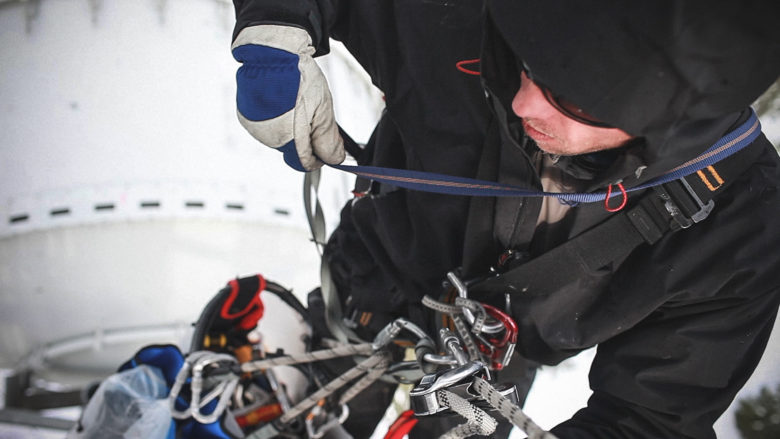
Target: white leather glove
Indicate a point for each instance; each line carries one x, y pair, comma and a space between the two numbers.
283, 98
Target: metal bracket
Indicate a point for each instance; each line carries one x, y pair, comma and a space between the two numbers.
423, 397
681, 221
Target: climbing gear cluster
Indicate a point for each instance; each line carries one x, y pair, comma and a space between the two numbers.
227, 385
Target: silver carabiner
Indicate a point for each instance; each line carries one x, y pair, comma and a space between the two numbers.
331, 421
491, 326
391, 331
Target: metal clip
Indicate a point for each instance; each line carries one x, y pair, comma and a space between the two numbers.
423, 397
491, 326
319, 421
681, 220
501, 349
391, 331
452, 343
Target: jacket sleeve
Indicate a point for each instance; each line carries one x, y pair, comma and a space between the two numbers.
676, 372
313, 15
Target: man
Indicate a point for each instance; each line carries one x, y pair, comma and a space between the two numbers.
586, 97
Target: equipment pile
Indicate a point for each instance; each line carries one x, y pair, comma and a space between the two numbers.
226, 387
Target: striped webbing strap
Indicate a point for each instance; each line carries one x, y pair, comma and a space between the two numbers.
729, 144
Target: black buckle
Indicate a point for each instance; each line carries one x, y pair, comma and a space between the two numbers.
683, 203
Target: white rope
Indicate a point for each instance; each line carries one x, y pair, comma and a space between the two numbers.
345, 350
477, 421
378, 360
510, 411
372, 375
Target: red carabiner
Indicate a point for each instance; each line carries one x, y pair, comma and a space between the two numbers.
500, 349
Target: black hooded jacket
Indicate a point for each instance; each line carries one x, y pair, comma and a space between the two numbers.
681, 324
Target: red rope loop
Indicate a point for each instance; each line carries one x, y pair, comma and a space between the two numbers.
609, 194
460, 65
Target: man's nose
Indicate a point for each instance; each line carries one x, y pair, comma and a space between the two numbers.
529, 102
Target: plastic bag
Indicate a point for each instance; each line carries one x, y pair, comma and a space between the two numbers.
130, 404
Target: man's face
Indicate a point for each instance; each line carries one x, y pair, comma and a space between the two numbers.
556, 133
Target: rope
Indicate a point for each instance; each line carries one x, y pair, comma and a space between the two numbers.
477, 421
308, 357
373, 375
454, 311
510, 411
378, 360
375, 365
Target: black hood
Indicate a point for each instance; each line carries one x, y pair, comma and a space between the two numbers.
677, 74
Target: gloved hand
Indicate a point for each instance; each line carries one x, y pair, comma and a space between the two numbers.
283, 98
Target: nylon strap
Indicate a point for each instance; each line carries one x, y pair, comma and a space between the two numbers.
614, 239
729, 144
316, 219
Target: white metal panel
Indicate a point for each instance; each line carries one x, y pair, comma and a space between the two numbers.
129, 193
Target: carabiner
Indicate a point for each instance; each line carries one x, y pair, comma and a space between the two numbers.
500, 349
460, 287
329, 420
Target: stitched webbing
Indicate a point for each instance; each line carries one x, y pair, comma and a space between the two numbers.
729, 144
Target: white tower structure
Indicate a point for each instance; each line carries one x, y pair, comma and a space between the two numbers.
129, 193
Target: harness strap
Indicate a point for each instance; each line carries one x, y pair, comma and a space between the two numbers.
729, 144
316, 219
667, 208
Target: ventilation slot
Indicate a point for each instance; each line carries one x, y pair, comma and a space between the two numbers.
16, 219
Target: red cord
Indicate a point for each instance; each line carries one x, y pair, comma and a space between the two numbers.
460, 66
402, 426
609, 194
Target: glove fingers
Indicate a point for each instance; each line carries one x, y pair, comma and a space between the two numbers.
326, 141
315, 124
302, 140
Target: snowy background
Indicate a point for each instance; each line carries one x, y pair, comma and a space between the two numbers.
129, 194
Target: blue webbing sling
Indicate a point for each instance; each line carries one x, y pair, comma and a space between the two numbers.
729, 144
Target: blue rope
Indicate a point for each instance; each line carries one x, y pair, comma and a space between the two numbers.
729, 144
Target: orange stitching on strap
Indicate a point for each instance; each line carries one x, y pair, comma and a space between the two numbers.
707, 182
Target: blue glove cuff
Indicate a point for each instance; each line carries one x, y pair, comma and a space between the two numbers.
290, 155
